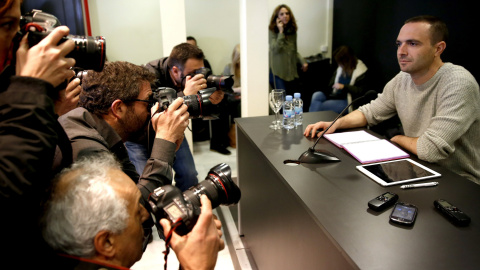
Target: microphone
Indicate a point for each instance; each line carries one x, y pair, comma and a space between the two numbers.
315, 156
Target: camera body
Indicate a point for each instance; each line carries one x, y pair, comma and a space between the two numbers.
169, 202
89, 52
199, 105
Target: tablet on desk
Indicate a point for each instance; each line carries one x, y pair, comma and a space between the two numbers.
396, 172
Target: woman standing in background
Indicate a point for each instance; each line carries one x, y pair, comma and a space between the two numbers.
283, 50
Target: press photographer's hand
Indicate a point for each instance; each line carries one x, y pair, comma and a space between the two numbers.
194, 84
47, 60
68, 98
170, 124
199, 248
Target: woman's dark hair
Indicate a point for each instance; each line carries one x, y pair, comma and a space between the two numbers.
292, 24
345, 57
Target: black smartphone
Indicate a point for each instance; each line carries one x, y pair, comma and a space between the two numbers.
404, 213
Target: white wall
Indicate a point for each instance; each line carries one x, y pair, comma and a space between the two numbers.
133, 32
133, 28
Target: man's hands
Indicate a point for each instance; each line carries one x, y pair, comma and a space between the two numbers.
170, 124
199, 248
311, 129
194, 84
46, 60
68, 98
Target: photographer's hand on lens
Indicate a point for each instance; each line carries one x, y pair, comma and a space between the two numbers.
199, 248
46, 60
194, 84
68, 98
170, 124
216, 97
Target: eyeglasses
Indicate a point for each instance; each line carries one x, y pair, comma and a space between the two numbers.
149, 102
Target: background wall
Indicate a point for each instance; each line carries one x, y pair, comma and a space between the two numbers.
133, 33
371, 28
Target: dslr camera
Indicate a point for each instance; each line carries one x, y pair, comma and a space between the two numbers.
199, 105
184, 208
89, 52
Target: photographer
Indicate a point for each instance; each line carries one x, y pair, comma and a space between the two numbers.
115, 106
111, 236
178, 72
28, 133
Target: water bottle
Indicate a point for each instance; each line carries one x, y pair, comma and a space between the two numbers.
288, 113
298, 105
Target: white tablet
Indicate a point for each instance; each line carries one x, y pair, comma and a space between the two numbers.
394, 172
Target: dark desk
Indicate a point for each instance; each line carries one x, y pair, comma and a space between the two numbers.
316, 216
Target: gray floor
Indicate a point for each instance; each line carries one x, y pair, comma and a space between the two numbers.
204, 160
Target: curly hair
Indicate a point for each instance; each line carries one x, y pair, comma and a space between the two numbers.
292, 24
118, 80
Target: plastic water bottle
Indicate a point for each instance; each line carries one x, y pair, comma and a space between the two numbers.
298, 105
288, 113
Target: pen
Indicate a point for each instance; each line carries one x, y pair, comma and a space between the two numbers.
430, 184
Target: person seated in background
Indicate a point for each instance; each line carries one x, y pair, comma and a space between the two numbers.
94, 218
233, 68
349, 78
436, 102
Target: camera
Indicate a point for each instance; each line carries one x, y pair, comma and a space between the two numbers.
89, 52
169, 202
218, 82
199, 106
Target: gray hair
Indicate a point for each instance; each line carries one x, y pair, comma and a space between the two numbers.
82, 204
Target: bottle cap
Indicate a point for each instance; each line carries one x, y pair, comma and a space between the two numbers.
296, 95
288, 98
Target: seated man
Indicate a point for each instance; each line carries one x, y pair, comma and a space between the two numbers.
94, 218
437, 102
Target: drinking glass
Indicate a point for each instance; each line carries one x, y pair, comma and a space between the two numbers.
276, 98
280, 120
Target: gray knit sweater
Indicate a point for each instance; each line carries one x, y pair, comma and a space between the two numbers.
444, 113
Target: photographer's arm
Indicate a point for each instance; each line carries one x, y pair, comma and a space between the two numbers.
199, 248
169, 127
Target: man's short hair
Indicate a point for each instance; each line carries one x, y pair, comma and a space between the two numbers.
83, 203
438, 28
181, 53
117, 80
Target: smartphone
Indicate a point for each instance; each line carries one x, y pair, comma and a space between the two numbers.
404, 213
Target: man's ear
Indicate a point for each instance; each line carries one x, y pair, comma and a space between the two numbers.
118, 109
104, 243
440, 47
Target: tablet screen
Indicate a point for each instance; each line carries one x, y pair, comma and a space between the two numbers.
398, 171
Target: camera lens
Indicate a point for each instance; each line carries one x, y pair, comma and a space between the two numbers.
220, 82
218, 186
89, 52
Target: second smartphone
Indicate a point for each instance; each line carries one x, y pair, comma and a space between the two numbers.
404, 213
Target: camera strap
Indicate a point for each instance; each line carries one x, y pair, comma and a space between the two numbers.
177, 223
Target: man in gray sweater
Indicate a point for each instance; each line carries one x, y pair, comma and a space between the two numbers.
437, 102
